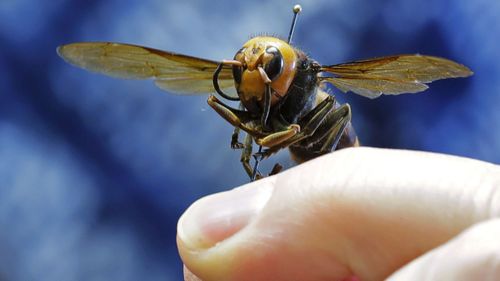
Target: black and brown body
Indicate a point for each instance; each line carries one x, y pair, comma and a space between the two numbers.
304, 94
285, 106
294, 86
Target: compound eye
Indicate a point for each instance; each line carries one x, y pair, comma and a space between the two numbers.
274, 65
238, 54
237, 70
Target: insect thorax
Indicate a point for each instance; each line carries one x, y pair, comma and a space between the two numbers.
301, 95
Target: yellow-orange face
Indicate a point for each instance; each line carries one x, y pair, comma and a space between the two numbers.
276, 57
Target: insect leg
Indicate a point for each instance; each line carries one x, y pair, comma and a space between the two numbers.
235, 144
276, 169
246, 156
323, 106
279, 137
337, 122
237, 118
327, 136
310, 124
256, 167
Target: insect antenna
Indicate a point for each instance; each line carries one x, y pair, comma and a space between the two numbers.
296, 10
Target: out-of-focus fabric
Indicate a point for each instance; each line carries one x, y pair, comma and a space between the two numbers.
95, 171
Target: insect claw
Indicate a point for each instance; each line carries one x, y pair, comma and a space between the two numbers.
258, 176
276, 169
259, 156
237, 145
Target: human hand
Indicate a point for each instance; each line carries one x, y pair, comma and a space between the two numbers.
355, 214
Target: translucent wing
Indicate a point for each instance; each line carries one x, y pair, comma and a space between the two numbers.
178, 73
392, 75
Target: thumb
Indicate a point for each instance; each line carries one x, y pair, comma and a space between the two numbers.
356, 212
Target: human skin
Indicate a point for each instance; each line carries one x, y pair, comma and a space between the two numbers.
355, 214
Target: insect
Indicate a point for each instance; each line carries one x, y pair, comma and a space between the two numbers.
283, 103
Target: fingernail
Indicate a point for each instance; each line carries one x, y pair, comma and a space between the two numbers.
214, 218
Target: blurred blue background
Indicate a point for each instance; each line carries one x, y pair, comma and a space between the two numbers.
94, 171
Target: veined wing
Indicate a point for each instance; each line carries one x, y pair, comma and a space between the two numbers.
178, 73
392, 75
